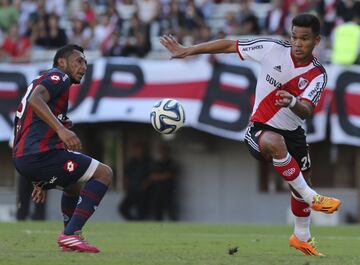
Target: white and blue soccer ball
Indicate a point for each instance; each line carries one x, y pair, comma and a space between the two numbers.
167, 116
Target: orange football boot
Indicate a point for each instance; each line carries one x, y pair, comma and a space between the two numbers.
325, 204
308, 248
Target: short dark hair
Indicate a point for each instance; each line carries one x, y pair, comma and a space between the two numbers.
307, 21
65, 52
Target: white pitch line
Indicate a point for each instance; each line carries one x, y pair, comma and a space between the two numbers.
29, 232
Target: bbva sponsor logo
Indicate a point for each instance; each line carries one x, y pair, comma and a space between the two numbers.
272, 81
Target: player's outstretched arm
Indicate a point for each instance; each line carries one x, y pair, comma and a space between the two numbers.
37, 100
179, 51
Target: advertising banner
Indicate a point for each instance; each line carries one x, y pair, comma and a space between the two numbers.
217, 97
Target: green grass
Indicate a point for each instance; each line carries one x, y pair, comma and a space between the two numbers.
175, 243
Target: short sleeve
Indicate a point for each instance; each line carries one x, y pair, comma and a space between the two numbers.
256, 49
314, 90
55, 83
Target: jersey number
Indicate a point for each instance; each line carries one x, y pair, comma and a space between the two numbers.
22, 107
305, 162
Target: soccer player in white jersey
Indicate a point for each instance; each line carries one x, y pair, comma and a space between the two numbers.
289, 87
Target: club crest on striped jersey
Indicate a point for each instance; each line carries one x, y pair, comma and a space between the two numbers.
303, 83
55, 78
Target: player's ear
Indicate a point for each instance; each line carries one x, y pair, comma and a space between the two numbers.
62, 63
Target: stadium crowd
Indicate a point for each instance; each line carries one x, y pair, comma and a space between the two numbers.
132, 27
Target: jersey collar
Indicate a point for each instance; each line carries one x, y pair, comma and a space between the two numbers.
296, 64
65, 74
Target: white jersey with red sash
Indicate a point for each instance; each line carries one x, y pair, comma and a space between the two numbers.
279, 71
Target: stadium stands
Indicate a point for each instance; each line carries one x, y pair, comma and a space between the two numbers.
182, 18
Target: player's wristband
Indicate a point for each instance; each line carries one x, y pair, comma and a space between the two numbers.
292, 102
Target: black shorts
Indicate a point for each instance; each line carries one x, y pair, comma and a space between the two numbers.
295, 142
57, 168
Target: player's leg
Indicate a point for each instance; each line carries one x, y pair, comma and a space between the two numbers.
272, 145
70, 171
301, 211
300, 208
62, 169
97, 178
302, 195
89, 199
69, 200
301, 238
299, 149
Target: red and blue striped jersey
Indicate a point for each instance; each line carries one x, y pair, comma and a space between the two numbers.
31, 134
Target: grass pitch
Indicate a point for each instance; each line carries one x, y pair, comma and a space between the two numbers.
174, 244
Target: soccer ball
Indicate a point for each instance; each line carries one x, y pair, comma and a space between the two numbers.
167, 116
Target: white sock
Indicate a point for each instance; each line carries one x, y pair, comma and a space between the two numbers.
302, 228
300, 185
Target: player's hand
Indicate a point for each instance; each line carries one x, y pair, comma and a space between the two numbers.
283, 98
176, 49
38, 195
70, 139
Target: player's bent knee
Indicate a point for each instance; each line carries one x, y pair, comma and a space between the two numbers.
272, 142
103, 174
108, 173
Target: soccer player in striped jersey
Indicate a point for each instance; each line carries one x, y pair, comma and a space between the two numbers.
45, 150
289, 85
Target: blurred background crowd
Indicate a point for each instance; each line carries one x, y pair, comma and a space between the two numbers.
29, 28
